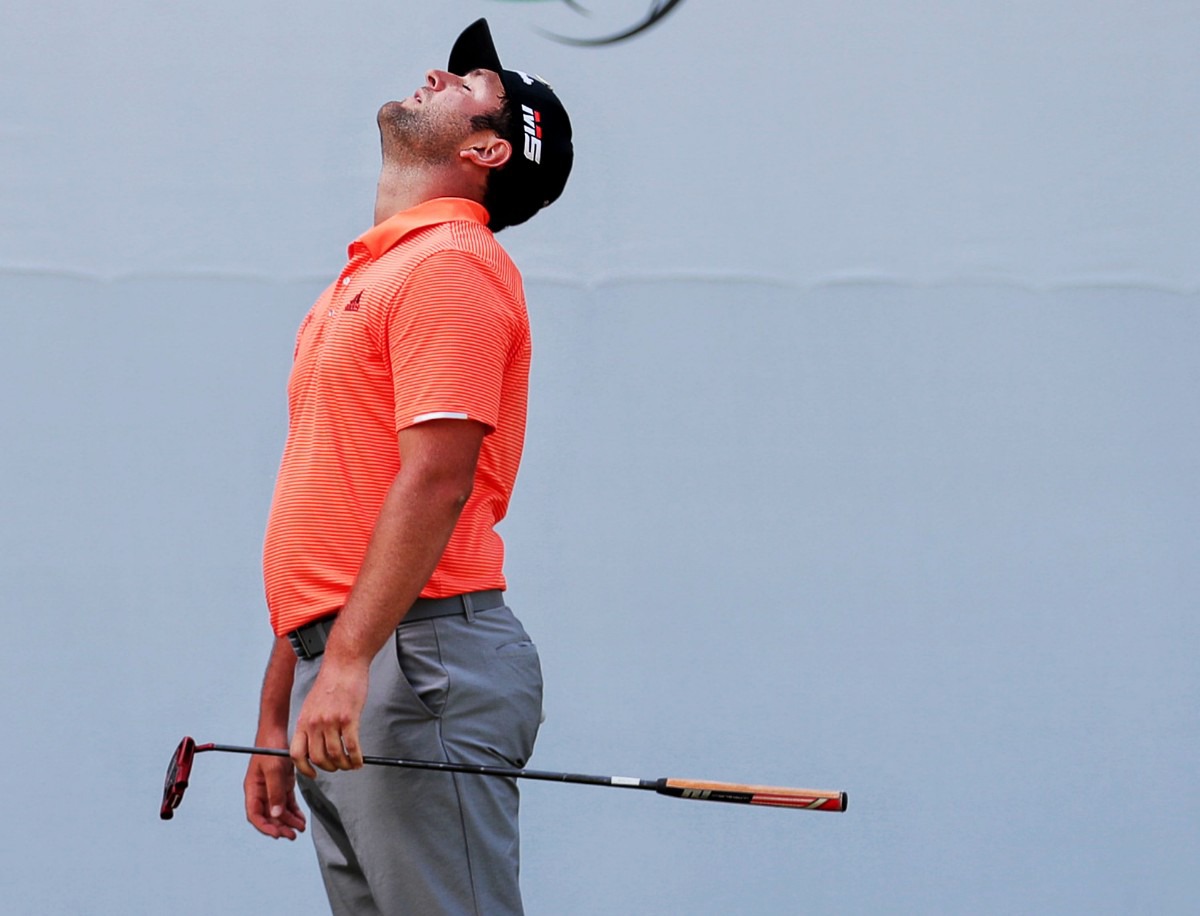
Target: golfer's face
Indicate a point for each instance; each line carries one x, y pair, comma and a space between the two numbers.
479, 92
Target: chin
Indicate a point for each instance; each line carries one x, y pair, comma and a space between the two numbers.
389, 110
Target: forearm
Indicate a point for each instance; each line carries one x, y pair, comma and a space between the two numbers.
410, 535
412, 529
275, 702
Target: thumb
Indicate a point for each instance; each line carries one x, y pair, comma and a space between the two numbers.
278, 779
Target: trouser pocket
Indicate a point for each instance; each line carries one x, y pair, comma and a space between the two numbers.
419, 659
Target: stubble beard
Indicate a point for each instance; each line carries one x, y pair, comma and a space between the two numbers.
417, 135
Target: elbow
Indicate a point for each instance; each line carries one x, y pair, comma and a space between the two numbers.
448, 491
458, 493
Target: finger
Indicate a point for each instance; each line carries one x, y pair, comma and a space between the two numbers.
279, 831
292, 815
256, 801
281, 798
318, 751
299, 753
257, 806
352, 746
335, 753
283, 831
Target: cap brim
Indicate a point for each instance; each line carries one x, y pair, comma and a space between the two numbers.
474, 50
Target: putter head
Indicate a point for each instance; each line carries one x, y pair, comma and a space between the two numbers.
178, 771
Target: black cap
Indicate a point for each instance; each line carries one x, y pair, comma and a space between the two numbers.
540, 133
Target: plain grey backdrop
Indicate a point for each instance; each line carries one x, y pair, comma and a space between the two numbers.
863, 447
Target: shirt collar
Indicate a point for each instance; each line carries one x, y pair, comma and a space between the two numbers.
380, 239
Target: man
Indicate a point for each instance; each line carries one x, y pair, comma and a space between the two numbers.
383, 573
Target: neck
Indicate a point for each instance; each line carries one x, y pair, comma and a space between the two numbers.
403, 185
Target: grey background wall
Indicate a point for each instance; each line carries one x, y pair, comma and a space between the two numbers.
862, 455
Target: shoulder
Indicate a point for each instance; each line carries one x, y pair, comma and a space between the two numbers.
463, 257
473, 244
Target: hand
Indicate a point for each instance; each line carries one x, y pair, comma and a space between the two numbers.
327, 730
271, 807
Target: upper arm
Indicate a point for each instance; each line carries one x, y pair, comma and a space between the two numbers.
452, 335
442, 452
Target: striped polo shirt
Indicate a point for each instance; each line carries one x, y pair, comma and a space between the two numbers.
426, 321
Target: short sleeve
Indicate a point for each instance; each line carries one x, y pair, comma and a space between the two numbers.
450, 335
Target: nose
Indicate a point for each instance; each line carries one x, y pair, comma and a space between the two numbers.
440, 79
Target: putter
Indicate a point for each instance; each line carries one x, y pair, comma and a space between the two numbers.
180, 769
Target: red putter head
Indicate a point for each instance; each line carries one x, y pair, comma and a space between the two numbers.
178, 771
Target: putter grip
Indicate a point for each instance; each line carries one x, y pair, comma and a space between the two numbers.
738, 794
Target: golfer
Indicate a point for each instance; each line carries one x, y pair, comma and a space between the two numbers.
383, 573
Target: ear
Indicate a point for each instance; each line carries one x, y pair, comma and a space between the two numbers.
487, 150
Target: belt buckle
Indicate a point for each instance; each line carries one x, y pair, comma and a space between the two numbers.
308, 641
298, 646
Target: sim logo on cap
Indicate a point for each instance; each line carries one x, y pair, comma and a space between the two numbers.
533, 134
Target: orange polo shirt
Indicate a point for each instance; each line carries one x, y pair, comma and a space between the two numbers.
426, 321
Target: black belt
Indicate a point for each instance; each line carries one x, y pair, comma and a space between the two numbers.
309, 640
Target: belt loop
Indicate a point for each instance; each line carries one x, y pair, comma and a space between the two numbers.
468, 608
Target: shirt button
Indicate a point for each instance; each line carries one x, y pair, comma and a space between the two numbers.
345, 281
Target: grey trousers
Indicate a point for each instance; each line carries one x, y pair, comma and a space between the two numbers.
396, 841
